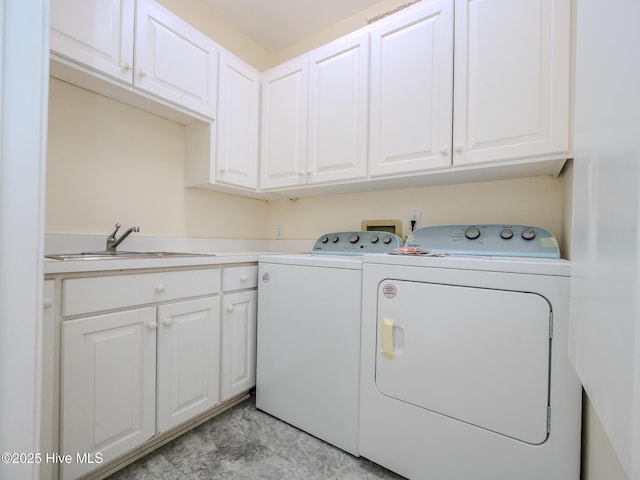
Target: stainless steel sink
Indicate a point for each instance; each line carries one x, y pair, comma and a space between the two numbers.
122, 254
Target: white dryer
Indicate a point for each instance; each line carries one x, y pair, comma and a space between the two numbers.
464, 368
308, 359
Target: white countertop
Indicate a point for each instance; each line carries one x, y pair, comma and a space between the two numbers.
110, 264
223, 251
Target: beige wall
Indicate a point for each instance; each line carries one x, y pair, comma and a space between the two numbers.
535, 201
599, 460
108, 162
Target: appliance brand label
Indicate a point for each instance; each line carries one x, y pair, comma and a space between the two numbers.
389, 290
266, 277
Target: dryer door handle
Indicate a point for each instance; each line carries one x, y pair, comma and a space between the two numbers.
392, 339
387, 339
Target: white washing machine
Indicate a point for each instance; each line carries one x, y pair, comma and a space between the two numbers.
309, 310
464, 369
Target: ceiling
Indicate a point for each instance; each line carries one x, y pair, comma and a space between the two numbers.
277, 24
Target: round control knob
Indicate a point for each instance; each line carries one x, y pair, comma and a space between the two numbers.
386, 239
334, 239
528, 234
354, 237
472, 232
506, 233
374, 239
324, 239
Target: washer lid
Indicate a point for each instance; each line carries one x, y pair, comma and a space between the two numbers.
498, 240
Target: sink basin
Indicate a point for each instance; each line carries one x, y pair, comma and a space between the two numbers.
122, 254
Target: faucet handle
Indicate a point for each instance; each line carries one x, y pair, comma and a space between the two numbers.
113, 235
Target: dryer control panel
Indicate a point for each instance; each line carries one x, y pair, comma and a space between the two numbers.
356, 243
494, 240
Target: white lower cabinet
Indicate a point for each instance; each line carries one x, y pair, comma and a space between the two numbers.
188, 351
132, 372
239, 342
239, 314
108, 386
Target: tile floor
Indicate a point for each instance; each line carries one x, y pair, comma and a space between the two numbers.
244, 443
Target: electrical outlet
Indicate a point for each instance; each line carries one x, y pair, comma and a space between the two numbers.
414, 216
278, 232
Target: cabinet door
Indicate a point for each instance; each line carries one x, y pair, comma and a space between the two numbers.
188, 360
411, 90
238, 342
338, 101
95, 33
108, 385
284, 125
238, 108
173, 60
512, 80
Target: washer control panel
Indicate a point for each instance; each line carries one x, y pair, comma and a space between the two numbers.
356, 243
494, 240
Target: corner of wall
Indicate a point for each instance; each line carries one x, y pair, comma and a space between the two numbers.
210, 22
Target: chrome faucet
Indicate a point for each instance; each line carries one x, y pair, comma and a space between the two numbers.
113, 242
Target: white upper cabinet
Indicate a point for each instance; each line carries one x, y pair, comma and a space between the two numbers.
411, 90
223, 155
173, 60
337, 128
238, 122
284, 125
512, 80
95, 33
141, 44
444, 91
314, 116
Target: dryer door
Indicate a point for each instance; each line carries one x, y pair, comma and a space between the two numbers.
477, 355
